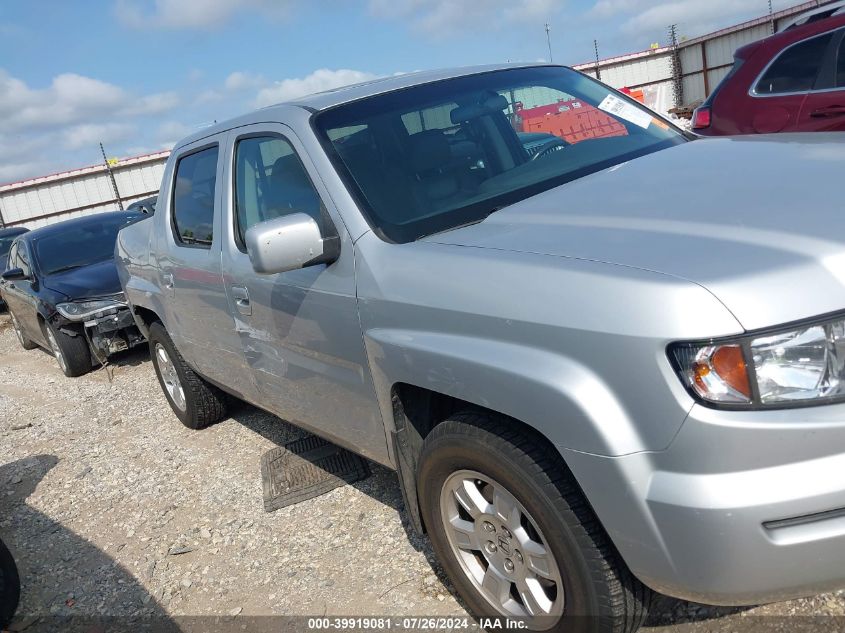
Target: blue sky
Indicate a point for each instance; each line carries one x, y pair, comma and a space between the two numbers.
139, 74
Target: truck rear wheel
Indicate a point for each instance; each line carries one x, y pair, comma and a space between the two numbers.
194, 401
515, 534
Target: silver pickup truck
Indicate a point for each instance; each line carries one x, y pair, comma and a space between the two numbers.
610, 363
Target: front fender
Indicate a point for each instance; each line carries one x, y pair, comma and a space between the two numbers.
558, 396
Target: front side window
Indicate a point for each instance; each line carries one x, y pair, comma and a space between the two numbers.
440, 155
796, 69
13, 256
193, 198
271, 182
22, 261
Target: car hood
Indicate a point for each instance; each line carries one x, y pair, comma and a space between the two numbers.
759, 221
94, 280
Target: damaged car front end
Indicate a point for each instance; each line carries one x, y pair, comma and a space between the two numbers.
106, 323
64, 294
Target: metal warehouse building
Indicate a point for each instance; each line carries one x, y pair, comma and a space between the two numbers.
672, 76
40, 201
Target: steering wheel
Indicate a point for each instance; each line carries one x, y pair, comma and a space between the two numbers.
555, 145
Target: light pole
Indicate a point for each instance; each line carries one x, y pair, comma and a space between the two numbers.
549, 41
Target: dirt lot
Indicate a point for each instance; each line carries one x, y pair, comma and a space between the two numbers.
111, 507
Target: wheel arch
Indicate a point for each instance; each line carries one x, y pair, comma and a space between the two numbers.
416, 412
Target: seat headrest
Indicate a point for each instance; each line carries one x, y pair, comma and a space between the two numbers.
288, 171
429, 150
496, 103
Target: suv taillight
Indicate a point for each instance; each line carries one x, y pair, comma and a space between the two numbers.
701, 118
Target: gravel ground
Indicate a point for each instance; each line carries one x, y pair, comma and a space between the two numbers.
112, 507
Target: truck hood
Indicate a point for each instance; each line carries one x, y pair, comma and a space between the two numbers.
87, 282
759, 221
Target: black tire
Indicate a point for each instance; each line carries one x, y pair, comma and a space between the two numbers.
600, 593
73, 354
204, 403
23, 339
10, 586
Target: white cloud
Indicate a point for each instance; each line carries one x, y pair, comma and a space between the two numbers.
193, 14
238, 80
43, 129
692, 18
440, 17
318, 81
171, 132
70, 99
90, 134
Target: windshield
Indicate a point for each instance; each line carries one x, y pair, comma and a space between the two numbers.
441, 155
80, 245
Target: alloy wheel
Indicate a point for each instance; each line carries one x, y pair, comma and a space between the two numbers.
501, 549
170, 377
57, 351
17, 327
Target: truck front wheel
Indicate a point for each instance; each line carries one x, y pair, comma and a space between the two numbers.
516, 536
194, 401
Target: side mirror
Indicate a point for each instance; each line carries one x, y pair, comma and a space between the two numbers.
14, 274
288, 243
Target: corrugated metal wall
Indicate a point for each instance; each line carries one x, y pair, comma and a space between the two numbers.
41, 201
713, 52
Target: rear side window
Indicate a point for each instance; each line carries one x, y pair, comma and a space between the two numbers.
840, 66
796, 69
271, 182
193, 198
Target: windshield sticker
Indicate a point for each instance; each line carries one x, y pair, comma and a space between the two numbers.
623, 109
661, 124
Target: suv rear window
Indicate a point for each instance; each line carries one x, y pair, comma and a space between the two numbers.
193, 198
796, 69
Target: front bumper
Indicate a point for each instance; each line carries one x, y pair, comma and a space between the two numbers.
109, 333
742, 508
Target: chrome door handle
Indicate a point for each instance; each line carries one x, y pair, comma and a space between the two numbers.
241, 296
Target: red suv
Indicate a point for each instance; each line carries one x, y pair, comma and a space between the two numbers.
793, 81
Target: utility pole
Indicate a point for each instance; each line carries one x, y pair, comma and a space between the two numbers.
771, 17
111, 175
598, 70
677, 72
549, 41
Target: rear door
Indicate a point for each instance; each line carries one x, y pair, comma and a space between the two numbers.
197, 307
783, 87
299, 330
824, 108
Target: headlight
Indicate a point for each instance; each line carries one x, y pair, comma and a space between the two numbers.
779, 368
79, 310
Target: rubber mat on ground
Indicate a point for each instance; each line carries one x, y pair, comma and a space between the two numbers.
307, 468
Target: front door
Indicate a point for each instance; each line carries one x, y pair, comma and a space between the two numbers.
20, 296
197, 309
299, 330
